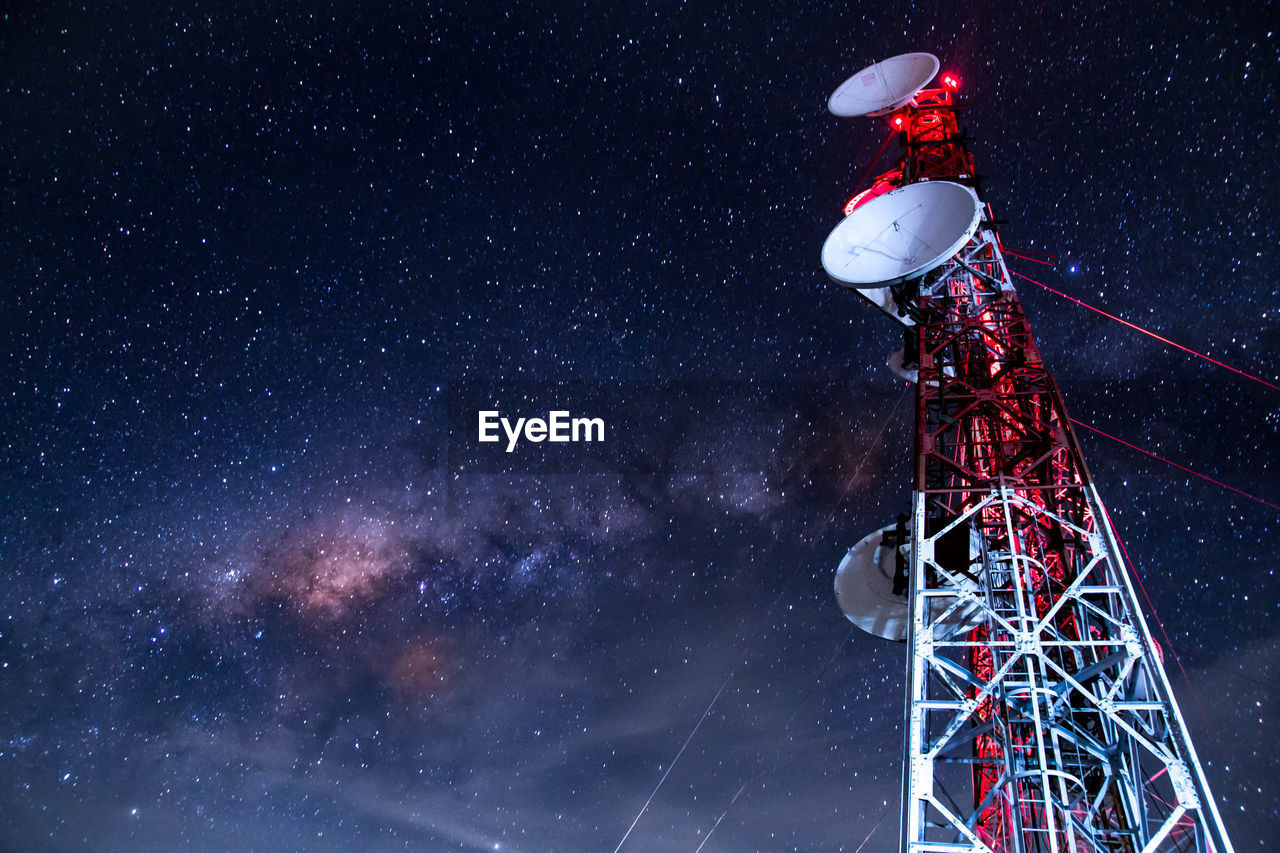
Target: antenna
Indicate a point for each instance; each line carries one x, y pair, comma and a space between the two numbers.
865, 585
901, 235
871, 585
884, 87
1039, 715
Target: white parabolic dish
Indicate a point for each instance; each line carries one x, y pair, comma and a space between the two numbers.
864, 588
885, 86
901, 234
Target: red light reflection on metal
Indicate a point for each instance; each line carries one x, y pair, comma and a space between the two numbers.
852, 204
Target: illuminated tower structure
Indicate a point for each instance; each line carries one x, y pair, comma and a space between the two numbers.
1039, 716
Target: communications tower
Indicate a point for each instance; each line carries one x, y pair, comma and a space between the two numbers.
1039, 717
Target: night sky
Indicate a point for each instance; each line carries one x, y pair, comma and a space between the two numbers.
264, 261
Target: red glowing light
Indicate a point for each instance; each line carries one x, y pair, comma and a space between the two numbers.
854, 202
881, 185
897, 121
951, 81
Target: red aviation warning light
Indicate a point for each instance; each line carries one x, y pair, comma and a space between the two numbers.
951, 81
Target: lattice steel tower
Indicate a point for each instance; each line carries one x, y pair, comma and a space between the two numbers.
1039, 716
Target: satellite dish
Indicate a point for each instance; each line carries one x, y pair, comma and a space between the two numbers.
882, 298
864, 588
885, 86
898, 367
902, 234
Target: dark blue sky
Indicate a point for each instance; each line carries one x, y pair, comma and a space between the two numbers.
255, 600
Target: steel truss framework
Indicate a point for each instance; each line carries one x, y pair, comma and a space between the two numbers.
1039, 715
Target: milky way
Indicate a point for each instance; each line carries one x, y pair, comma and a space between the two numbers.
264, 261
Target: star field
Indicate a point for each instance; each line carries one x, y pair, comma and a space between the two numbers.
260, 596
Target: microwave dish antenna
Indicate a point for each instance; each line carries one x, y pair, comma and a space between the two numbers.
902, 234
884, 87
